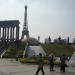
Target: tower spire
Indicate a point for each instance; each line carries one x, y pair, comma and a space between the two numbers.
25, 26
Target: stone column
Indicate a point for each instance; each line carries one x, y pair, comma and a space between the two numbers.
3, 33
17, 32
13, 33
8, 34
0, 32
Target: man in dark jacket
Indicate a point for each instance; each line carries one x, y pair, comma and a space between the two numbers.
63, 64
40, 63
51, 60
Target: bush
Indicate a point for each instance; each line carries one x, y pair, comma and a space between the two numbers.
33, 60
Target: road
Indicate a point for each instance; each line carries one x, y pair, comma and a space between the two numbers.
12, 67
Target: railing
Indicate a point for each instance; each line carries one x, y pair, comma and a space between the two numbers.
3, 53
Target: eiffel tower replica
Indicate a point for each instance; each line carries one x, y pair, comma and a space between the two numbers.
25, 31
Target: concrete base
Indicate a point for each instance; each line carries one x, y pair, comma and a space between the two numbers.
13, 67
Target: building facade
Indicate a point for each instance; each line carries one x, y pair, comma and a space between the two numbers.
9, 30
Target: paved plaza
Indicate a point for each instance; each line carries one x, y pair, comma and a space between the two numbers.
12, 67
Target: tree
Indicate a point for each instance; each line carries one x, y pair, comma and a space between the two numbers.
59, 39
38, 38
74, 40
68, 40
49, 39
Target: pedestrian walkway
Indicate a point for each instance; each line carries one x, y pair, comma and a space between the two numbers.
12, 67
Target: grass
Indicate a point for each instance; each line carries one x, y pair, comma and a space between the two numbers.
58, 49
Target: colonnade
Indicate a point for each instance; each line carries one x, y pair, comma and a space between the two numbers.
9, 32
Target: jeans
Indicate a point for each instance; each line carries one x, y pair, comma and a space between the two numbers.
40, 68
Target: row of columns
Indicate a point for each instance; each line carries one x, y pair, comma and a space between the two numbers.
9, 33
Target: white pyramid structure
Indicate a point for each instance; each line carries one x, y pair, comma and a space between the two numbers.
34, 51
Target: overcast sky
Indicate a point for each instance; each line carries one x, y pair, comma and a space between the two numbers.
52, 18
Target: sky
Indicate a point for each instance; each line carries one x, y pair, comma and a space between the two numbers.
46, 18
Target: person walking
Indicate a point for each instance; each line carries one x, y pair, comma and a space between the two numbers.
51, 60
40, 63
63, 64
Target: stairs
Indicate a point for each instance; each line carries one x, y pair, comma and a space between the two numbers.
2, 52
